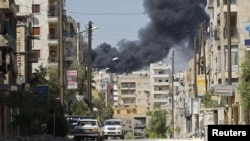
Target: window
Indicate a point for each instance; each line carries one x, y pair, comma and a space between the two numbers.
219, 59
218, 3
234, 57
35, 8
37, 53
36, 30
118, 111
128, 112
231, 2
17, 8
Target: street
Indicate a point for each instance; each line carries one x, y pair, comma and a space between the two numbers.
51, 138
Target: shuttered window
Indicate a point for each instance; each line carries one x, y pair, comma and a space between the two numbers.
36, 30
37, 52
35, 8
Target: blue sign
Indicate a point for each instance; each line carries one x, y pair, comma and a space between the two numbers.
42, 90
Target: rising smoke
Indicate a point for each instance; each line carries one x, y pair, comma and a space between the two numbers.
173, 25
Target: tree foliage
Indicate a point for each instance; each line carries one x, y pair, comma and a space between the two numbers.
157, 124
244, 82
103, 112
32, 110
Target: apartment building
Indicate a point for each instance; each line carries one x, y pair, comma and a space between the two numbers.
218, 43
133, 100
8, 68
160, 81
180, 98
214, 52
45, 45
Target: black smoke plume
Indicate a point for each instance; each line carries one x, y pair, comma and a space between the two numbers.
173, 24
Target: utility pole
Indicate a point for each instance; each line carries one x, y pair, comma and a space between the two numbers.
77, 44
204, 55
89, 68
195, 81
229, 66
172, 90
61, 53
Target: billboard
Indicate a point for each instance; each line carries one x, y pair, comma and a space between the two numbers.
72, 79
201, 85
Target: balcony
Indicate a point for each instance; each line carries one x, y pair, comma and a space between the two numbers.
52, 14
128, 96
233, 31
161, 83
52, 39
52, 59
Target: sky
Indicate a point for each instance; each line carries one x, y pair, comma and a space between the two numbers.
140, 32
115, 19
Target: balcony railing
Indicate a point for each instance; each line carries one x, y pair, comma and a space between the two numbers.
52, 36
52, 59
52, 12
233, 31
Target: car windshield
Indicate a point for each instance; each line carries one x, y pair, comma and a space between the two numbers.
112, 123
82, 123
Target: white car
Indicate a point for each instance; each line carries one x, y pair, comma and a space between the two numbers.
88, 129
113, 128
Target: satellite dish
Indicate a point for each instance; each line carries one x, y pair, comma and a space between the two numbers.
2, 24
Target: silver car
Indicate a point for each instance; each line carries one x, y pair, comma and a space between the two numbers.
88, 129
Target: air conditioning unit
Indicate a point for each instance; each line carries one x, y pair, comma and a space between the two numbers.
8, 6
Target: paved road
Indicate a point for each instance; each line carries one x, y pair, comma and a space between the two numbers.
51, 138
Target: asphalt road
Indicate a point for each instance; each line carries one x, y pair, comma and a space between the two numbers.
51, 138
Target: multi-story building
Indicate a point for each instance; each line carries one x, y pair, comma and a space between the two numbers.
133, 100
214, 55
160, 81
45, 21
8, 68
180, 98
221, 13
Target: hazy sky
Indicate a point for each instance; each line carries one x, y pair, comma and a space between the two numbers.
115, 19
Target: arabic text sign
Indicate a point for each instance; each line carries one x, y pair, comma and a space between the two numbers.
226, 90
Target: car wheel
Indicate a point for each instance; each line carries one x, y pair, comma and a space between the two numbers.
122, 137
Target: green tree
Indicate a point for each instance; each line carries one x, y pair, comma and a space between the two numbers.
36, 110
103, 112
244, 82
79, 108
157, 124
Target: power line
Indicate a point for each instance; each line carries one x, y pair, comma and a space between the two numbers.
139, 13
133, 13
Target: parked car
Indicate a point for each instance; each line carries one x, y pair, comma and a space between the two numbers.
88, 129
72, 122
113, 128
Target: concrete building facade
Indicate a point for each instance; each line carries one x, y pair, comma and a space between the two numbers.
45, 29
160, 81
218, 54
133, 101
